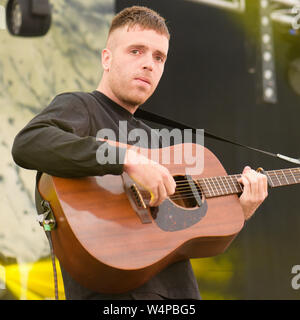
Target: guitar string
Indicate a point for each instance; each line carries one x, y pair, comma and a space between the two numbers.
269, 173
222, 178
207, 192
211, 185
183, 184
235, 188
212, 191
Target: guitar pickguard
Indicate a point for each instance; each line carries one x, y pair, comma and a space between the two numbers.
183, 209
170, 217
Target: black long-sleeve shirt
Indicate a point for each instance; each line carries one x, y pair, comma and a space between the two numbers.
61, 141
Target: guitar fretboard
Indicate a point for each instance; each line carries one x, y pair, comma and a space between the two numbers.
224, 185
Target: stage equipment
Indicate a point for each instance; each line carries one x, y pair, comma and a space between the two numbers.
235, 5
283, 13
267, 52
28, 18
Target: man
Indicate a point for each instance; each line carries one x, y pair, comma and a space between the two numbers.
61, 139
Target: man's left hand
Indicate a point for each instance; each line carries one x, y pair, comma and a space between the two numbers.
255, 191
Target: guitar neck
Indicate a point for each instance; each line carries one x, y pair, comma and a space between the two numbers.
224, 185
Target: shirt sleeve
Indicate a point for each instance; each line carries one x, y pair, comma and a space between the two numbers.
57, 142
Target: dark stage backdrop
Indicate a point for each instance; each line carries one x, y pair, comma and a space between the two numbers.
212, 80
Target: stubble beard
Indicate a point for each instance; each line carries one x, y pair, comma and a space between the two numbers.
130, 99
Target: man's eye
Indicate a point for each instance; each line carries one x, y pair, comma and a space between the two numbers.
159, 58
135, 51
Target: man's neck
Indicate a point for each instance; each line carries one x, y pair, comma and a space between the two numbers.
112, 97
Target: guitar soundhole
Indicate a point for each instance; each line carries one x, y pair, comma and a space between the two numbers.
185, 207
187, 193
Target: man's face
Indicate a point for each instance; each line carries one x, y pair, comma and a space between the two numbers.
135, 60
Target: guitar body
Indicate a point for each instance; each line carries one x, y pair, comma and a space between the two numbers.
102, 242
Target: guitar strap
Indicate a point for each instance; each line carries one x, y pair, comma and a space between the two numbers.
152, 117
46, 219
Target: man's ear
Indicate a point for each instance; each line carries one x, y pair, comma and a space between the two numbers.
106, 59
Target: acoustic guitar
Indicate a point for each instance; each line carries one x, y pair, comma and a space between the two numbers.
110, 240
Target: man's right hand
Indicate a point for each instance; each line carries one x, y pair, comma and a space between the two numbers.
152, 176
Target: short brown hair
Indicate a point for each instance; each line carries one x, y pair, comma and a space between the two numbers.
141, 16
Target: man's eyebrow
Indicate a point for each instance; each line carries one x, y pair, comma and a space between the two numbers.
161, 54
141, 46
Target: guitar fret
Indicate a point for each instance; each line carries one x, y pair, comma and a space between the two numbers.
238, 186
277, 178
290, 176
219, 187
206, 181
270, 181
225, 189
296, 174
229, 185
293, 175
298, 169
222, 187
279, 175
236, 189
207, 186
284, 177
213, 186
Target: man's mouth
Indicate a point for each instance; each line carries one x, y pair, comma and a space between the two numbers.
143, 80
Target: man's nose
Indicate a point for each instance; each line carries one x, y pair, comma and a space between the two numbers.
148, 62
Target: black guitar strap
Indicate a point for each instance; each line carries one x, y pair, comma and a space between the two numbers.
149, 116
46, 219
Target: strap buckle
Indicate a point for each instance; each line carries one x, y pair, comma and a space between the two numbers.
46, 219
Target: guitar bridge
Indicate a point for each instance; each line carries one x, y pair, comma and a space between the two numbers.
136, 199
